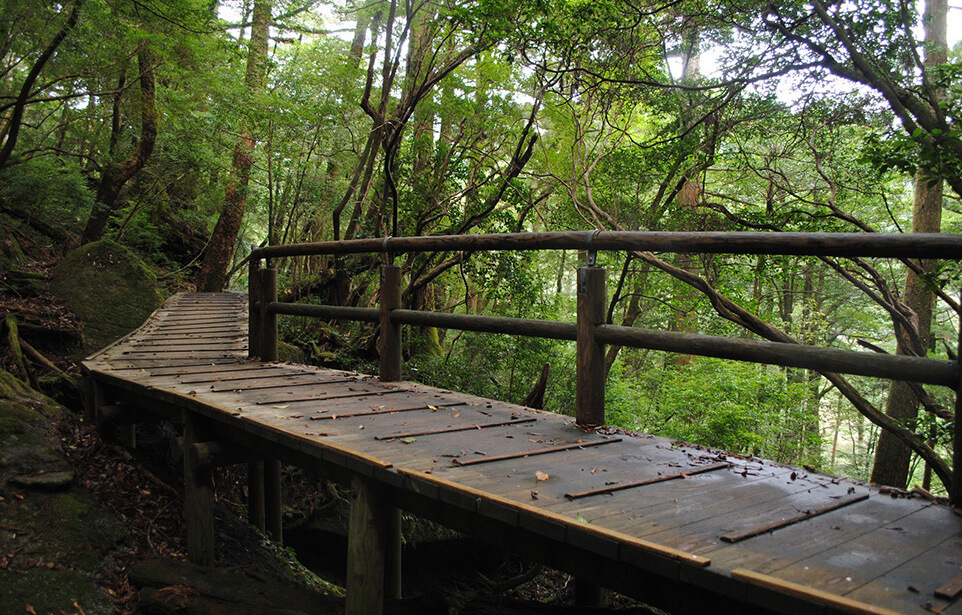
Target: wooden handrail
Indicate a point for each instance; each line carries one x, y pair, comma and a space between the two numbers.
590, 331
908, 245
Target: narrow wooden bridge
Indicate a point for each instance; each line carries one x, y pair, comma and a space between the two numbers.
681, 527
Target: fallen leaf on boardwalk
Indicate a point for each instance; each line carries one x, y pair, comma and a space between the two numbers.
360, 426
581, 518
457, 413
279, 406
297, 416
409, 440
541, 475
432, 408
534, 495
593, 470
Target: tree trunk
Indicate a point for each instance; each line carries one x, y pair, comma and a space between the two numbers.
11, 130
213, 272
892, 457
116, 174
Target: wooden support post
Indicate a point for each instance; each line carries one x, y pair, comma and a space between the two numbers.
255, 495
392, 555
366, 546
590, 394
99, 400
253, 309
268, 343
198, 497
589, 594
389, 343
955, 490
273, 511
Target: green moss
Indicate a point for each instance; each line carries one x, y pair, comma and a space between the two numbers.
51, 591
68, 528
290, 353
108, 287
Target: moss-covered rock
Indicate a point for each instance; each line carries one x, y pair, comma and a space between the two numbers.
56, 538
11, 256
26, 283
290, 353
108, 287
51, 591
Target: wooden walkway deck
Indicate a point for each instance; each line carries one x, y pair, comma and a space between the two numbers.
682, 527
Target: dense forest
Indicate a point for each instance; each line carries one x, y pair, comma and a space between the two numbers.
190, 130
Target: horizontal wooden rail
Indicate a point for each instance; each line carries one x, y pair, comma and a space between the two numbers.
528, 327
894, 367
332, 312
908, 245
912, 369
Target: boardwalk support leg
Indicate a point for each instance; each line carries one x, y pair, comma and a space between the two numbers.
198, 497
255, 495
392, 562
366, 548
590, 393
273, 512
589, 594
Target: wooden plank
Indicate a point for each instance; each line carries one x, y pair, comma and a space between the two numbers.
764, 528
950, 590
929, 578
165, 365
568, 522
841, 603
325, 394
263, 371
770, 552
649, 481
851, 564
258, 382
537, 451
474, 427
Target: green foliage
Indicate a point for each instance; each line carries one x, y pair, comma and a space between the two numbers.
55, 192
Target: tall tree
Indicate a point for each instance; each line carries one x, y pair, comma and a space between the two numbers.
220, 250
115, 175
892, 457
11, 127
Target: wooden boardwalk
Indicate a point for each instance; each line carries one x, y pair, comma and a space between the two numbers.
682, 527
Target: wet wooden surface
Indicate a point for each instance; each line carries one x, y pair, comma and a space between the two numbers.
613, 492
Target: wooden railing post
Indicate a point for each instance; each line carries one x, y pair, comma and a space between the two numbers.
268, 293
389, 343
955, 491
590, 394
253, 309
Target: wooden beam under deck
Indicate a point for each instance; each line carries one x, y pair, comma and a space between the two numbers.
681, 527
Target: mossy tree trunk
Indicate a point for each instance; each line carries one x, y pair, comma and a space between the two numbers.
892, 457
116, 174
220, 249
